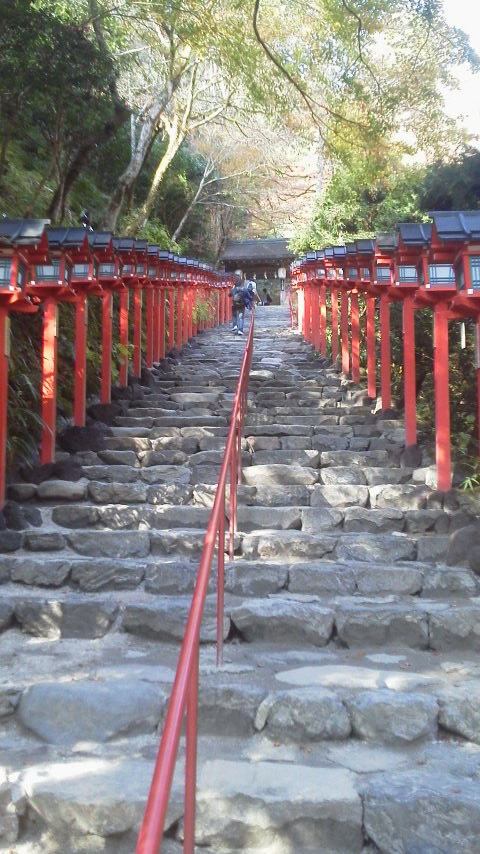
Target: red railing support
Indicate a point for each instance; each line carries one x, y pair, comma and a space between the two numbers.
442, 395
344, 333
80, 377
371, 348
355, 336
385, 352
180, 309
334, 313
409, 378
106, 385
137, 331
161, 324
4, 356
150, 324
49, 379
171, 318
323, 319
123, 323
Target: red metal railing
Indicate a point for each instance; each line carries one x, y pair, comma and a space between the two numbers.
184, 697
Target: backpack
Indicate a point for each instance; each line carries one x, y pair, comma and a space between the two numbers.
238, 296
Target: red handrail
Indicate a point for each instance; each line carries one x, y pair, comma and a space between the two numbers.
184, 697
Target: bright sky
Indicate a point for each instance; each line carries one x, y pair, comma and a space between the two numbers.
465, 102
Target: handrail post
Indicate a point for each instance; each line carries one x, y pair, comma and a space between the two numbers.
191, 757
344, 333
323, 319
334, 319
409, 378
106, 383
49, 379
137, 331
123, 322
179, 318
80, 383
442, 395
371, 346
355, 336
150, 324
385, 352
171, 319
4, 356
161, 325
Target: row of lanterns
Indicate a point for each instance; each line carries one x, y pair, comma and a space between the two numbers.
435, 264
41, 266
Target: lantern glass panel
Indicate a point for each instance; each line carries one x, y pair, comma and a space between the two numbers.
340, 272
127, 269
330, 273
460, 276
352, 272
365, 272
441, 274
106, 269
21, 275
475, 272
407, 273
320, 272
140, 269
48, 272
383, 273
5, 272
81, 270
152, 272
68, 273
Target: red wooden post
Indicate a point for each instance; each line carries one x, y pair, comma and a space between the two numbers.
49, 379
477, 359
149, 327
191, 303
409, 379
180, 310
323, 320
161, 324
442, 395
315, 320
156, 324
308, 313
4, 355
301, 310
195, 299
371, 348
171, 319
123, 335
106, 386
334, 299
80, 379
186, 314
344, 333
385, 351
137, 332
355, 336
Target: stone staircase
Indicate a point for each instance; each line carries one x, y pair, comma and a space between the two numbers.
345, 719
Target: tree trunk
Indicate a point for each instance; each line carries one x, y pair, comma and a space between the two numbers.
176, 137
131, 173
176, 234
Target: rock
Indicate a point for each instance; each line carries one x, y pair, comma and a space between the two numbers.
17, 519
422, 811
287, 545
70, 618
112, 544
372, 521
69, 712
21, 491
255, 518
44, 542
379, 624
316, 520
69, 469
166, 619
173, 577
119, 458
166, 474
104, 574
62, 490
303, 714
342, 474
343, 495
376, 547
255, 579
44, 573
460, 710
461, 543
392, 717
93, 796
283, 619
112, 474
309, 459
6, 614
75, 515
117, 493
265, 475
411, 457
170, 493
107, 412
474, 559
84, 438
456, 628
401, 496
10, 541
314, 809
400, 580
9, 699
228, 709
324, 578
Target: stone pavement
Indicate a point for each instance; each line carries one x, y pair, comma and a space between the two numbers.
346, 718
